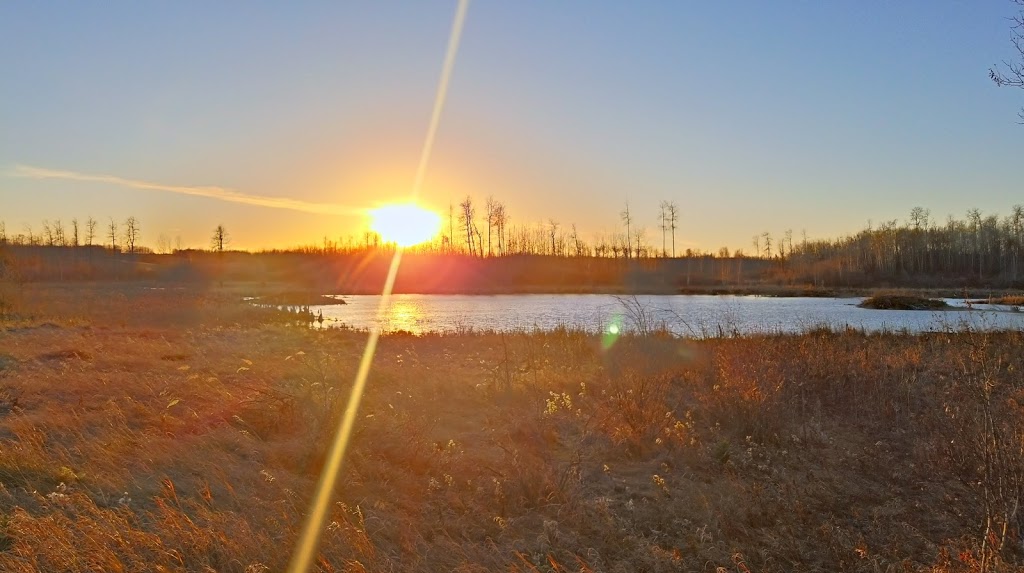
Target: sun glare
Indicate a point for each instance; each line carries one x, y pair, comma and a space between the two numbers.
405, 224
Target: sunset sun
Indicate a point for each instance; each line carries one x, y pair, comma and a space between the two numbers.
405, 224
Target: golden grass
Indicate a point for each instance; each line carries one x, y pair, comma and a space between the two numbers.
183, 431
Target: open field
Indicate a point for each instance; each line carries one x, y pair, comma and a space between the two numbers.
181, 430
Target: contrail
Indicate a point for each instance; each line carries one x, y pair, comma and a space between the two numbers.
219, 193
309, 539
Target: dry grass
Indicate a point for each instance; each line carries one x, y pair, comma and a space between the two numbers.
182, 431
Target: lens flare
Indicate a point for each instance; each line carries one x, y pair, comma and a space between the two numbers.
309, 540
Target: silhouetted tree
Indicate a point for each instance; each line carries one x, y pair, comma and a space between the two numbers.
673, 218
663, 224
74, 232
112, 234
627, 220
48, 233
90, 231
490, 208
466, 215
1013, 76
220, 239
639, 235
58, 234
131, 233
451, 226
500, 221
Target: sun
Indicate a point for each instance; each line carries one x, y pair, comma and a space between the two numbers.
405, 224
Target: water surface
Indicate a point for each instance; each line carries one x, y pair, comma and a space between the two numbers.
686, 315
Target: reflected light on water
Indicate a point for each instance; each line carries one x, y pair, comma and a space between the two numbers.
405, 315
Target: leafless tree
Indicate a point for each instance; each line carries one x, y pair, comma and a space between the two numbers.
490, 209
3, 233
451, 226
220, 239
1013, 75
30, 239
500, 221
673, 218
90, 231
131, 233
627, 220
663, 225
553, 234
577, 244
466, 215
639, 235
74, 232
47, 233
58, 234
112, 234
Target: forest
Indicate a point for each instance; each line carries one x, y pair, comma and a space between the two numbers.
487, 254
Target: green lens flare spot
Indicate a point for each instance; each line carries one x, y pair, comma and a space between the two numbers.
611, 333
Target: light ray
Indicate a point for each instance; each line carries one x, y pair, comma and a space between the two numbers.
309, 539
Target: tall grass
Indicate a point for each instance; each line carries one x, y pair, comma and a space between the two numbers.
189, 436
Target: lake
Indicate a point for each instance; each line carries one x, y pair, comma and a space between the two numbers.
685, 315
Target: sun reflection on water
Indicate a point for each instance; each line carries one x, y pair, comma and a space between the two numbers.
404, 315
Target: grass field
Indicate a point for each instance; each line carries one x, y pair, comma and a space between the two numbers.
183, 430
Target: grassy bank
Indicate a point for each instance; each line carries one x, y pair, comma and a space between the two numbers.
180, 430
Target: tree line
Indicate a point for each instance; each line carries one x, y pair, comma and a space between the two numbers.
88, 234
973, 249
978, 248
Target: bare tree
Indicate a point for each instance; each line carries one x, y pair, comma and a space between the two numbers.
47, 233
451, 226
74, 232
490, 208
1013, 76
627, 220
3, 233
112, 234
220, 239
58, 234
466, 215
640, 234
673, 218
663, 225
131, 233
553, 233
500, 221
30, 238
90, 231
577, 243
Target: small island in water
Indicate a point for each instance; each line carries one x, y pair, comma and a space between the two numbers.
903, 302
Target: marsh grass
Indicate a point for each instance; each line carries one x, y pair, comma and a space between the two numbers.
182, 431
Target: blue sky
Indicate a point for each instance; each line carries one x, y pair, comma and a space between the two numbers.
752, 116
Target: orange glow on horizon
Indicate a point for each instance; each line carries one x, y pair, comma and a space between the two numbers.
405, 224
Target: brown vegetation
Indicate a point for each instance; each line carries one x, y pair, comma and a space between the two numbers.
902, 302
180, 430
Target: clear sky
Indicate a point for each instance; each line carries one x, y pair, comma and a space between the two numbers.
752, 116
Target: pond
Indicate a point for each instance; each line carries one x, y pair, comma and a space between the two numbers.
685, 315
